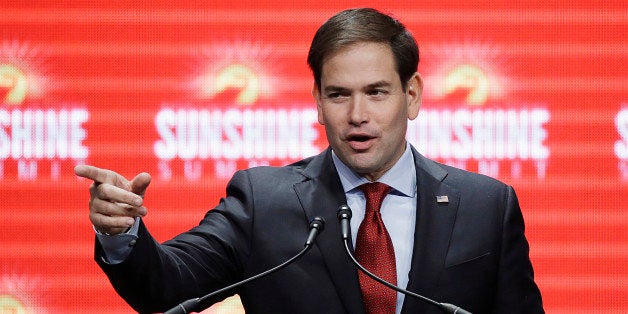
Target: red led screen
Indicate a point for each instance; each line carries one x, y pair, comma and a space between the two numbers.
534, 93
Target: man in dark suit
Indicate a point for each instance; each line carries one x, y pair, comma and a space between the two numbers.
458, 237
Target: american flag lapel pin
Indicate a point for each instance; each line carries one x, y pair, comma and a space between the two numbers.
442, 199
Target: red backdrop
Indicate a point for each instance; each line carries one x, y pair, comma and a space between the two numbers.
532, 93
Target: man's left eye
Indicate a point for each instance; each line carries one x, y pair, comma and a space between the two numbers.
378, 92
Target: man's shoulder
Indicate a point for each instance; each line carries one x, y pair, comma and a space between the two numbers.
462, 177
295, 169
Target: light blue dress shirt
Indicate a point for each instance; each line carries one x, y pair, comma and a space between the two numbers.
398, 209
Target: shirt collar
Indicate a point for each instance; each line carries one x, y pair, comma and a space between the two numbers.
401, 177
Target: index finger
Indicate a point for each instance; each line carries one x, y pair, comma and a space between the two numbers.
102, 176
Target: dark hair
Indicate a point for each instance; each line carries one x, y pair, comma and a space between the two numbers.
364, 25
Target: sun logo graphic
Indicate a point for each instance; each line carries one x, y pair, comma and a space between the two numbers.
466, 73
21, 67
9, 304
238, 81
469, 80
20, 294
237, 73
13, 84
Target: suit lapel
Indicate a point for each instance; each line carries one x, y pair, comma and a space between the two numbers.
434, 226
321, 195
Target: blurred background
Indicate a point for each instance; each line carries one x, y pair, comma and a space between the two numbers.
534, 93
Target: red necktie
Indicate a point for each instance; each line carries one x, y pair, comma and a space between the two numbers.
374, 250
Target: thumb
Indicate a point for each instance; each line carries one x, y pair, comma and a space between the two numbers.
140, 183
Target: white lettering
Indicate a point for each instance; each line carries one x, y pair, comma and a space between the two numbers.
5, 138
541, 168
55, 170
233, 144
78, 134
224, 169
481, 134
165, 172
27, 170
488, 167
34, 133
622, 165
538, 134
166, 147
193, 169
187, 138
234, 134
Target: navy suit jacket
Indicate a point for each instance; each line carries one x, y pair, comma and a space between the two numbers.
470, 251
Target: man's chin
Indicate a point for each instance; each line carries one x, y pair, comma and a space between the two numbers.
361, 167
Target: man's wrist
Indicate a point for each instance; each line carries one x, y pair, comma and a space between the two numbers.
109, 234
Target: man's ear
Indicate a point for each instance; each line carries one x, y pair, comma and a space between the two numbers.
414, 95
316, 93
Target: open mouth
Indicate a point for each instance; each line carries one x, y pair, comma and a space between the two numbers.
359, 138
360, 142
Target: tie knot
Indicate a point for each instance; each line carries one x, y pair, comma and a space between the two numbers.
374, 194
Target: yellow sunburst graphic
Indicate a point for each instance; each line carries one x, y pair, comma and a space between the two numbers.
11, 305
471, 79
468, 72
21, 294
22, 72
13, 84
241, 78
236, 72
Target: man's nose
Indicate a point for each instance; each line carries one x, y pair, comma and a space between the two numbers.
358, 112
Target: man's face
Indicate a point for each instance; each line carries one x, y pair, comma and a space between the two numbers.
365, 111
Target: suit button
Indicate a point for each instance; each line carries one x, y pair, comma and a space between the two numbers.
132, 243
